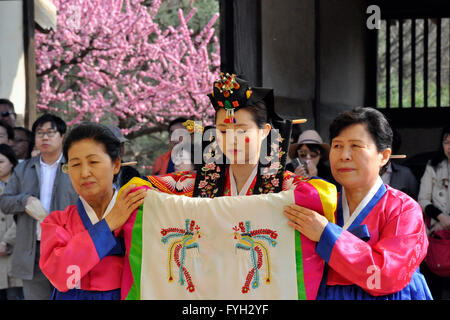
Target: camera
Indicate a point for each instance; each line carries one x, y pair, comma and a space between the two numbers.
297, 162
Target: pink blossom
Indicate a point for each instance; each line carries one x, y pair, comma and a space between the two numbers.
110, 58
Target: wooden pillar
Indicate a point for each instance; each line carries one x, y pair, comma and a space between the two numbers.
30, 63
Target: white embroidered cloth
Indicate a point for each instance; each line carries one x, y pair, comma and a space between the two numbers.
216, 261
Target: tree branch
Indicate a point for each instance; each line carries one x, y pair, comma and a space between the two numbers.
145, 131
73, 61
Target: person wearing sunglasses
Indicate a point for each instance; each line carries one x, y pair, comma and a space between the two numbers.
7, 112
309, 157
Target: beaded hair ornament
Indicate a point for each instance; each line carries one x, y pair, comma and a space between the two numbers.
230, 93
233, 93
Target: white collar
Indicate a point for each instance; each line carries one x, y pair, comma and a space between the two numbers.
91, 213
50, 165
348, 220
233, 187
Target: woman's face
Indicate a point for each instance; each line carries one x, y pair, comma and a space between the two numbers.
5, 167
304, 153
91, 169
446, 145
354, 158
240, 141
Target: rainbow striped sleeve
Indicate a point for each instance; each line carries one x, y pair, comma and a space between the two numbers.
321, 196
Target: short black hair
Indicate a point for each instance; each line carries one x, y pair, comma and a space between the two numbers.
30, 137
374, 121
56, 122
8, 103
9, 129
8, 152
97, 132
175, 121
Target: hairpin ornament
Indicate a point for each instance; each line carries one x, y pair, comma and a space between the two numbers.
193, 126
231, 94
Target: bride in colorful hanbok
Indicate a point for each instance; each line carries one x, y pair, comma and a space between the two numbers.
374, 249
243, 155
231, 163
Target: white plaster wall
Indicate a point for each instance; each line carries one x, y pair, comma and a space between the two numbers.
12, 59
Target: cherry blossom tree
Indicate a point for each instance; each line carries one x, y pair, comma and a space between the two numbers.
110, 60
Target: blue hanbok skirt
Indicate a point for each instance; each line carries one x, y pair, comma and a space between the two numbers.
79, 294
417, 289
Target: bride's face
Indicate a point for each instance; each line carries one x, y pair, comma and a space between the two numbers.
240, 141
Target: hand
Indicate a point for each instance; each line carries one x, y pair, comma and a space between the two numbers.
30, 199
308, 222
436, 227
125, 205
444, 220
312, 169
184, 167
35, 153
300, 171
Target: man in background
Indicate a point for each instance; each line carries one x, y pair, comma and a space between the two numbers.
164, 163
37, 182
7, 112
23, 143
6, 133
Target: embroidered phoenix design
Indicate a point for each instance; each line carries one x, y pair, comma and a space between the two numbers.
253, 241
181, 241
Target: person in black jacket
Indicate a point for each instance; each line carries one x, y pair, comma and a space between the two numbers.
398, 176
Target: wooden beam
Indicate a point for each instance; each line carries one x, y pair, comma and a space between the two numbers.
30, 63
417, 117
